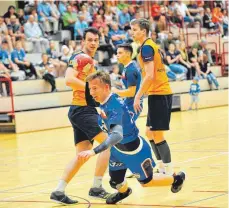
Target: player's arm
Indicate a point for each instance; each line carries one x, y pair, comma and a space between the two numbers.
72, 81
147, 54
114, 137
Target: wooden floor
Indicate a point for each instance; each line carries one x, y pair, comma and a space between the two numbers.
31, 164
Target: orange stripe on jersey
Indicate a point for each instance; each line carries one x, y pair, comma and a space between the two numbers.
160, 84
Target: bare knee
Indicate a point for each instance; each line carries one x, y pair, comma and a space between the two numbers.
149, 133
158, 136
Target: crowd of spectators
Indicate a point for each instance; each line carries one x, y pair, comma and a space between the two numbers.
37, 21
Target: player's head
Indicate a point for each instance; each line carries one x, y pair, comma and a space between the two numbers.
140, 29
99, 85
91, 40
195, 80
124, 53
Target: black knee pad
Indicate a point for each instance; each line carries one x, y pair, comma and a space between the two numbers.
113, 184
117, 177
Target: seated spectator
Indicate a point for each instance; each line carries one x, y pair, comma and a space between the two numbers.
18, 56
157, 16
62, 7
108, 16
217, 17
54, 8
116, 78
101, 12
167, 42
74, 7
202, 45
34, 34
98, 22
124, 18
15, 31
175, 61
46, 70
207, 20
46, 16
225, 22
53, 54
195, 11
183, 51
69, 19
79, 27
117, 36
173, 13
11, 11
21, 17
4, 35
132, 12
87, 15
66, 54
193, 60
13, 69
4, 74
205, 72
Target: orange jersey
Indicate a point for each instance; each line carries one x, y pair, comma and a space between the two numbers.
149, 51
79, 95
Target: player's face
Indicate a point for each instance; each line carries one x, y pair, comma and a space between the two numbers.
98, 90
122, 55
91, 42
137, 33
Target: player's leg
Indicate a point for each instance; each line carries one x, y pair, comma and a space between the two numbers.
117, 171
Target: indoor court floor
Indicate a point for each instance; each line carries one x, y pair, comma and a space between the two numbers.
32, 163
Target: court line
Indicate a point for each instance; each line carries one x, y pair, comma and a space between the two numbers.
103, 204
213, 191
205, 199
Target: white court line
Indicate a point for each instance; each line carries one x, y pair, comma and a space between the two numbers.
201, 158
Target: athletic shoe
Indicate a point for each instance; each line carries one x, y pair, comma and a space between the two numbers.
60, 198
117, 197
178, 182
99, 193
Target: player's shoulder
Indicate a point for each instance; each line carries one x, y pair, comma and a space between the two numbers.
115, 101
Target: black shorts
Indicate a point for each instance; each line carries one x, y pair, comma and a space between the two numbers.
84, 120
159, 112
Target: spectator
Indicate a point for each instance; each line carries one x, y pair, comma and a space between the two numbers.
18, 57
175, 61
87, 15
66, 55
74, 7
173, 13
207, 19
124, 18
4, 74
101, 12
193, 60
108, 16
14, 71
62, 7
195, 11
132, 12
225, 22
54, 8
21, 17
46, 70
15, 31
53, 54
205, 72
79, 27
116, 77
4, 36
98, 22
167, 42
46, 16
217, 17
117, 36
194, 93
11, 11
34, 34
202, 45
69, 19
183, 51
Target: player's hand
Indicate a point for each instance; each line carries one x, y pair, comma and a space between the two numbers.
85, 155
137, 105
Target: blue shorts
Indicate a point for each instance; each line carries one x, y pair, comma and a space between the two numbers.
139, 161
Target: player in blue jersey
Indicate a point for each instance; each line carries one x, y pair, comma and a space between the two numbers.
131, 78
127, 148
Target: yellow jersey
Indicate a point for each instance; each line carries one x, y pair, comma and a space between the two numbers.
79, 97
149, 51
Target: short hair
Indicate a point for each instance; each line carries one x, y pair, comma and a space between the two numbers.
142, 23
91, 30
126, 47
101, 75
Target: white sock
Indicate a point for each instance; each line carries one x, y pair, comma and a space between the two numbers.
61, 186
161, 166
97, 182
168, 169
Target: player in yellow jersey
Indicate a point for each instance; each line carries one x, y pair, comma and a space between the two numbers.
155, 83
84, 119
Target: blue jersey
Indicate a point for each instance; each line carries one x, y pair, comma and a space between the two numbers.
131, 76
115, 112
194, 89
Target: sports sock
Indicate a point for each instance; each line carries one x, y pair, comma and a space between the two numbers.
61, 186
97, 182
